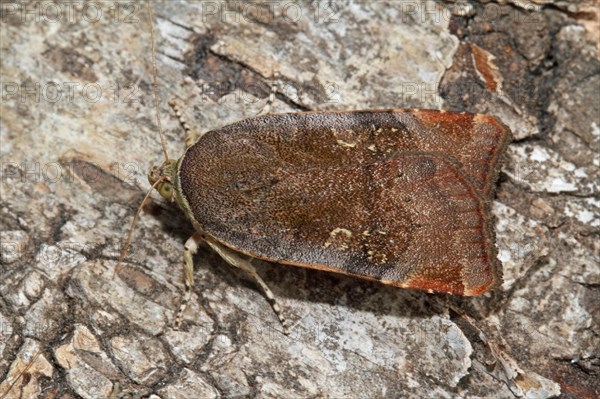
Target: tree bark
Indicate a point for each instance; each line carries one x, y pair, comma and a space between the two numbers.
79, 134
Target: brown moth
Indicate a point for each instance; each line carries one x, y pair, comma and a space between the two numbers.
398, 196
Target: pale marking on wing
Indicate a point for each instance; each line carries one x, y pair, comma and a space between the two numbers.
346, 235
346, 144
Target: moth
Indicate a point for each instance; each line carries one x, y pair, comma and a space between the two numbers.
398, 196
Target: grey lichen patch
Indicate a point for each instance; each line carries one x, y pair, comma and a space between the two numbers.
518, 242
541, 169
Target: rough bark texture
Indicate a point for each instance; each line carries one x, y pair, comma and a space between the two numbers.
79, 132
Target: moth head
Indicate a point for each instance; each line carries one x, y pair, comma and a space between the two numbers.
162, 177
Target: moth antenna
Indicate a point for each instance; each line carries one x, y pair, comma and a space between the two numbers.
154, 83
162, 142
130, 234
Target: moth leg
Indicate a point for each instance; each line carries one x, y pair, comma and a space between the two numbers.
269, 104
189, 250
236, 261
190, 135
